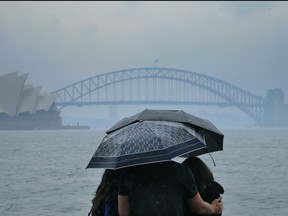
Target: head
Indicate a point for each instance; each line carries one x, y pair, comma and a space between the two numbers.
201, 172
109, 181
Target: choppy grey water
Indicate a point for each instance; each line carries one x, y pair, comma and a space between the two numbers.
43, 172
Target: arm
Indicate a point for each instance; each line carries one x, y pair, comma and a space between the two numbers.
124, 205
200, 207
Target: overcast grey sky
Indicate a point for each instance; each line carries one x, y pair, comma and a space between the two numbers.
58, 43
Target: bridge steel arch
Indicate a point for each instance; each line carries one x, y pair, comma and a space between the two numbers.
81, 93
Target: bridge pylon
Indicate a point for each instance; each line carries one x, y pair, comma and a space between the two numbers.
275, 111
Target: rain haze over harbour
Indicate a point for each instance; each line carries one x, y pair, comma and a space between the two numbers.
60, 43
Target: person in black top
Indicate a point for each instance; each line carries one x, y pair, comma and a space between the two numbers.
208, 188
159, 189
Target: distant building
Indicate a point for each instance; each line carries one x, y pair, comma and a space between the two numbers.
25, 107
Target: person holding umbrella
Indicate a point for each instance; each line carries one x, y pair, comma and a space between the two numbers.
161, 189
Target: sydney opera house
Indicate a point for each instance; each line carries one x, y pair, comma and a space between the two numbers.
24, 106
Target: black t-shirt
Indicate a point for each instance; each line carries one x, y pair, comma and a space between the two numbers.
158, 189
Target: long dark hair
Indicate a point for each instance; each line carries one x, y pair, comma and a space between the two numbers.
201, 171
108, 184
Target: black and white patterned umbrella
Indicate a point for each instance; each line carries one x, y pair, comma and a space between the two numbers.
213, 137
145, 142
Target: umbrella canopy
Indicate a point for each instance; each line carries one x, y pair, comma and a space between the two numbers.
145, 142
213, 137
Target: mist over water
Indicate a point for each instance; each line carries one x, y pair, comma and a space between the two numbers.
43, 172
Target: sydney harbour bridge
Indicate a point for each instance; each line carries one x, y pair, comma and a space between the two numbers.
168, 86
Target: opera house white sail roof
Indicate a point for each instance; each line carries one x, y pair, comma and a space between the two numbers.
17, 98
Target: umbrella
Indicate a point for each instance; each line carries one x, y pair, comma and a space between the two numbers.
145, 142
213, 137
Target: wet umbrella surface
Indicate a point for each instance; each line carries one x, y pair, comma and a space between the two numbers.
213, 137
146, 142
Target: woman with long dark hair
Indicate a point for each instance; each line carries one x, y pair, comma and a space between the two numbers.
207, 187
105, 201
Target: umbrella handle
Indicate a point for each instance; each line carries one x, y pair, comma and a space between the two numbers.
212, 160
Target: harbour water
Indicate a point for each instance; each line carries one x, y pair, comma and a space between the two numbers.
43, 172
